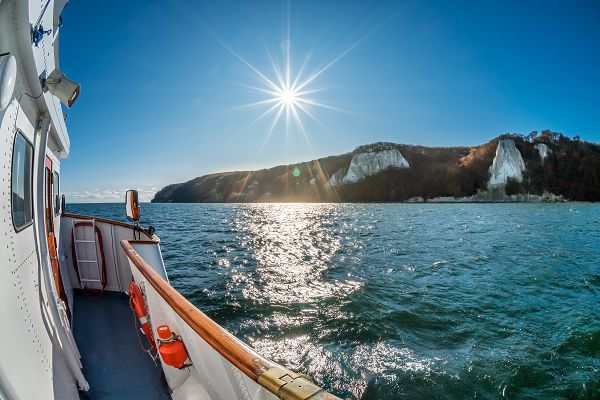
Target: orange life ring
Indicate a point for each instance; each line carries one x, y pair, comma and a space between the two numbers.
136, 300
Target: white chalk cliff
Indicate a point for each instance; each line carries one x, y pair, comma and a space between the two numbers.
543, 149
367, 164
508, 163
337, 178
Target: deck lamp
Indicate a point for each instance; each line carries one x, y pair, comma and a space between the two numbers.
8, 78
62, 87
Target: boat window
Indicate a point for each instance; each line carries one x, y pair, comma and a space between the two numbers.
21, 181
55, 189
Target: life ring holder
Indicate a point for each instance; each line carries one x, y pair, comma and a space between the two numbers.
138, 306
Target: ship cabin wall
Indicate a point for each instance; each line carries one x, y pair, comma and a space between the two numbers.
30, 357
31, 367
27, 353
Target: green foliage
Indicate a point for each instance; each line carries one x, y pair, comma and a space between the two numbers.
512, 187
572, 170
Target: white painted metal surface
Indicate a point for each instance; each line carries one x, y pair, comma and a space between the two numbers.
87, 254
38, 356
118, 274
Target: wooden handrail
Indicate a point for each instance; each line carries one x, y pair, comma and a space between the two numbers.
108, 221
241, 356
271, 376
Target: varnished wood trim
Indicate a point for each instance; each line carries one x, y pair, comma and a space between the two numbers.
152, 241
240, 355
108, 221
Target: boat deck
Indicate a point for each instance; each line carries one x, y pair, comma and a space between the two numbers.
113, 362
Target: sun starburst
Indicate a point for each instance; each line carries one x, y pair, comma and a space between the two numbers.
288, 94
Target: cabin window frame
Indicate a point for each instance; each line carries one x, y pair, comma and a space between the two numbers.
28, 145
56, 192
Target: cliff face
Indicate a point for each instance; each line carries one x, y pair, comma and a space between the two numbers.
543, 149
367, 164
508, 167
508, 163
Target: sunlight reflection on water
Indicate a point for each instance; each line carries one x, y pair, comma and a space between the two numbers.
293, 246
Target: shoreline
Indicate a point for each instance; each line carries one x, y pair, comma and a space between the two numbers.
377, 202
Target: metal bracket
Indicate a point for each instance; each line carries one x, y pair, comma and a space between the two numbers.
288, 385
37, 34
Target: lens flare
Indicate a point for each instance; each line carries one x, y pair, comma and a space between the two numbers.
288, 93
286, 96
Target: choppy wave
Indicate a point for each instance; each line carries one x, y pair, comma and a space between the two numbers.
389, 301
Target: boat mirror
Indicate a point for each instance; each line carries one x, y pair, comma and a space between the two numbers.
8, 78
132, 205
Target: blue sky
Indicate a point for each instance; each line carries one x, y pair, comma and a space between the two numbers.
162, 87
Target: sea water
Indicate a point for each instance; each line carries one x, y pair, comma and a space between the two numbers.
392, 301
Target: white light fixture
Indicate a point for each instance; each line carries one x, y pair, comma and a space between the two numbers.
62, 87
8, 78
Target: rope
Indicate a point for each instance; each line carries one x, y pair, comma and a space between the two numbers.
39, 20
37, 31
137, 333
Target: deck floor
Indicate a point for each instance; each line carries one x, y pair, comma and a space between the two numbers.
113, 362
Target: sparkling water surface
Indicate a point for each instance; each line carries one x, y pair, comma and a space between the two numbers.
394, 301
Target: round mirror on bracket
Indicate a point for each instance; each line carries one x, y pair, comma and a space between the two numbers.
132, 205
8, 78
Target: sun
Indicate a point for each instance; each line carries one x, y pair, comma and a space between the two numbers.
287, 93
290, 93
287, 97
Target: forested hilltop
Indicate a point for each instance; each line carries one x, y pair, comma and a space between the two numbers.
546, 166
